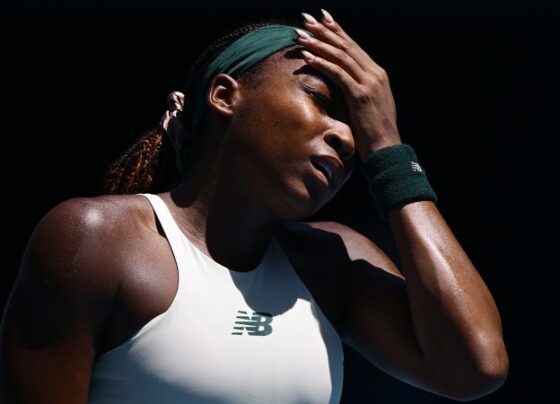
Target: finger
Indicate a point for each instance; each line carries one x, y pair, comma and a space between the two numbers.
327, 33
329, 22
337, 74
332, 33
331, 53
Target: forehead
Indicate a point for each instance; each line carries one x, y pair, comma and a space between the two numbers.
289, 64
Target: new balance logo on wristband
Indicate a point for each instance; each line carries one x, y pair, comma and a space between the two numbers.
416, 166
257, 324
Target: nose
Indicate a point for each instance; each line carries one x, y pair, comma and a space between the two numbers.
342, 141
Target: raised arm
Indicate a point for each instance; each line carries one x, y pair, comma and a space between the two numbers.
55, 313
433, 323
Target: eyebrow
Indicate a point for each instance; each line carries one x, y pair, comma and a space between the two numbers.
310, 71
295, 53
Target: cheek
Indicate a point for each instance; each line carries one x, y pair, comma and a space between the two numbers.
279, 122
293, 117
280, 105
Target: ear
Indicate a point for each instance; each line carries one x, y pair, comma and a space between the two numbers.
224, 94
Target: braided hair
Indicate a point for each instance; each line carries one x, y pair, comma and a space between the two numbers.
149, 164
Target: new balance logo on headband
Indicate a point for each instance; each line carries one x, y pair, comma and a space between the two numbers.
257, 324
416, 166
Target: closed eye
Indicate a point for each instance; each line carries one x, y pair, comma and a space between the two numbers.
319, 99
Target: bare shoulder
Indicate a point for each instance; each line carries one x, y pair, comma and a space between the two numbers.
80, 239
69, 277
96, 214
356, 245
101, 218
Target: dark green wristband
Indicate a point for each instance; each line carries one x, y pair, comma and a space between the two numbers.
395, 178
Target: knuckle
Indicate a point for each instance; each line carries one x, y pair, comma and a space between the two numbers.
338, 72
353, 46
362, 96
372, 83
382, 75
340, 54
335, 69
377, 78
345, 47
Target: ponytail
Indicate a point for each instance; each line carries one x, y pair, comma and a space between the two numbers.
147, 166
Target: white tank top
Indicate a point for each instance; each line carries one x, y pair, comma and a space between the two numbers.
228, 337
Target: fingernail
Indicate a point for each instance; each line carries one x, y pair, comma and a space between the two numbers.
309, 18
302, 33
327, 16
307, 55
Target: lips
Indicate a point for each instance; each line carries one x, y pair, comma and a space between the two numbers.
331, 168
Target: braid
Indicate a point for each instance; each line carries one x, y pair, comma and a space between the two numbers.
134, 170
149, 164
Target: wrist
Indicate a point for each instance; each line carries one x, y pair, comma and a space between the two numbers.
375, 147
378, 147
396, 178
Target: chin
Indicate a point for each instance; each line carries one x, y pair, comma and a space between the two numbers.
301, 202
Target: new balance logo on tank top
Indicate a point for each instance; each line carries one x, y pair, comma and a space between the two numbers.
228, 337
258, 324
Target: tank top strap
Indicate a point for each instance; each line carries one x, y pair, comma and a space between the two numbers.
170, 227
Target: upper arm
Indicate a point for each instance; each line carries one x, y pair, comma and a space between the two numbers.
376, 315
56, 310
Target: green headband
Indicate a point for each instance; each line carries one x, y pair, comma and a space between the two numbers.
241, 55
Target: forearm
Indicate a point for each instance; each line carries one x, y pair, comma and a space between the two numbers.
454, 315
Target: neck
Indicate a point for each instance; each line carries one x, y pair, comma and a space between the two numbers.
224, 220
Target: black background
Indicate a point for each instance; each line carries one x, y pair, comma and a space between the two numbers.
476, 89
